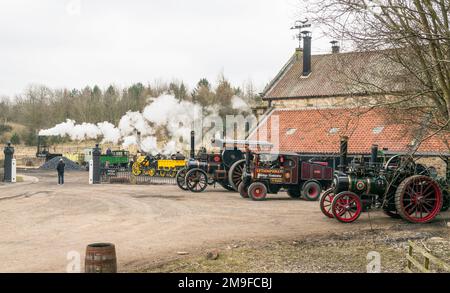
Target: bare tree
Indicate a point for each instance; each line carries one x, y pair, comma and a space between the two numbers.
414, 37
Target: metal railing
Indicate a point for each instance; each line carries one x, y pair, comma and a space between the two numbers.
117, 175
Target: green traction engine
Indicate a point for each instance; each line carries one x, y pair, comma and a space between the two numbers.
399, 186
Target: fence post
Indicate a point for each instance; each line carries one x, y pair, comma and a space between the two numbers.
96, 153
410, 252
13, 171
9, 153
91, 172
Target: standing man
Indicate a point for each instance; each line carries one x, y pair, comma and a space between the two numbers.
60, 169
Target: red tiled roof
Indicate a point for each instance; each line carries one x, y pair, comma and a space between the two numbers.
318, 131
341, 74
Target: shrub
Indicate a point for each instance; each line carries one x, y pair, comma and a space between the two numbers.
15, 138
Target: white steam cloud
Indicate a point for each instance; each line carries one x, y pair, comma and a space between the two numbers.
176, 117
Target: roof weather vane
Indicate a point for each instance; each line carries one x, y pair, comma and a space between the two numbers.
300, 25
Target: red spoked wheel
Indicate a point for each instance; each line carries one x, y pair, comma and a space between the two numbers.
257, 191
312, 190
346, 207
418, 199
326, 202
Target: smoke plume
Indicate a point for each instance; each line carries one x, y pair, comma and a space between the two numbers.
177, 118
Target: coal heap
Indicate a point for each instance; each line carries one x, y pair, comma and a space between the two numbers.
70, 165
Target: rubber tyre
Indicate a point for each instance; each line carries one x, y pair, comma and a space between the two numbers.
243, 190
257, 191
311, 191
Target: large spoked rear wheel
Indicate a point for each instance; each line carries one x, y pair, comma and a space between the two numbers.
181, 179
346, 207
312, 190
257, 191
418, 199
326, 202
235, 174
196, 180
243, 190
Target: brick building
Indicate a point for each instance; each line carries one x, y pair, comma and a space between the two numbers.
316, 99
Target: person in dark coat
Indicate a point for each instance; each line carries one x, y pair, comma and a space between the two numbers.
60, 168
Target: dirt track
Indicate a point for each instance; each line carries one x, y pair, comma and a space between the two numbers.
41, 222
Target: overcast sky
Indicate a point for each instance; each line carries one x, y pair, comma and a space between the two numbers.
74, 43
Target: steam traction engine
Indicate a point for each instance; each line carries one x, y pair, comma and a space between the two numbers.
269, 173
224, 168
400, 187
159, 165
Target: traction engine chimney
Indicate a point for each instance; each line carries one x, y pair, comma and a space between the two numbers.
374, 154
192, 145
343, 154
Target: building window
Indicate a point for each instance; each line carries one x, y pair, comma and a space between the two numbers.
378, 130
291, 131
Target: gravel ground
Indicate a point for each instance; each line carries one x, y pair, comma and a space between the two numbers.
41, 222
337, 252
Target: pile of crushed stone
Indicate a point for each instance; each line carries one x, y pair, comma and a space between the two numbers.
70, 165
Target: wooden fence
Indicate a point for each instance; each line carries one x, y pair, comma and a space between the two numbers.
424, 265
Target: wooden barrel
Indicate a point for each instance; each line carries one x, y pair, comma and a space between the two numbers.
100, 258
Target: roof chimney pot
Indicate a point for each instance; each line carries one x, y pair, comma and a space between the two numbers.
306, 53
335, 47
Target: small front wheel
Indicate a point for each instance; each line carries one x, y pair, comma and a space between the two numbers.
326, 202
196, 180
243, 190
346, 207
257, 191
181, 179
136, 169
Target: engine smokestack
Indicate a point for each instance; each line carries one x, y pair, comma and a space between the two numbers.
192, 144
335, 47
343, 153
374, 154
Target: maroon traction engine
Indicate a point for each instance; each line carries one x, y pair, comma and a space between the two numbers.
269, 173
